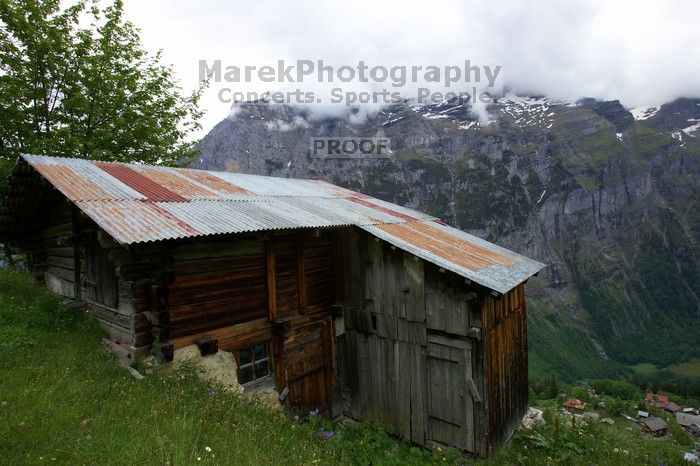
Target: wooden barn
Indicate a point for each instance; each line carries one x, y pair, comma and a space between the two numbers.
343, 302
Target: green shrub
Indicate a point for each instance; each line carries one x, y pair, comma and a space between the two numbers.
616, 388
579, 393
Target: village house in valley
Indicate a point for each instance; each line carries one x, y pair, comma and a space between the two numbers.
655, 426
343, 302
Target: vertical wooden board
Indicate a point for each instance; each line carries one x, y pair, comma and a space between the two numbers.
357, 255
364, 380
418, 390
271, 289
353, 373
378, 378
340, 393
76, 225
372, 273
301, 274
414, 289
435, 300
470, 403
391, 290
480, 423
388, 384
405, 376
457, 319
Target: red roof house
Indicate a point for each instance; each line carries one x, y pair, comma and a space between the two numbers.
572, 404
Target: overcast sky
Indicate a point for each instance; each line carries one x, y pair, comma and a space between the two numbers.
641, 52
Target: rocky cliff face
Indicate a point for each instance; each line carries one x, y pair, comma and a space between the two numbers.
606, 197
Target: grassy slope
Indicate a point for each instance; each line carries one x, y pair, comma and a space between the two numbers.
63, 402
62, 399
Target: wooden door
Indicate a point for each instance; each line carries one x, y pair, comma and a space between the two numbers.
307, 365
450, 402
101, 274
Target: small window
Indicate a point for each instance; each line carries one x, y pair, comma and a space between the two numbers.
253, 364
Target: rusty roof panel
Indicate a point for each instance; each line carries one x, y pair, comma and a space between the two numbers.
139, 203
127, 220
146, 186
178, 183
69, 183
214, 183
493, 275
85, 181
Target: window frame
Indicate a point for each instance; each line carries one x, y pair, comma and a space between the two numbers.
254, 363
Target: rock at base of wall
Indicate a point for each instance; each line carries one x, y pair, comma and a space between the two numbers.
532, 418
219, 368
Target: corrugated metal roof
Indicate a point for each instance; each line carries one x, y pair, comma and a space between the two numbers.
485, 263
141, 203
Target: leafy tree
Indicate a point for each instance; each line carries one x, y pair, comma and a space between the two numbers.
75, 81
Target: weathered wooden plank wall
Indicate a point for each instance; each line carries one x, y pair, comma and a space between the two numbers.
59, 265
392, 304
247, 290
505, 327
216, 284
118, 304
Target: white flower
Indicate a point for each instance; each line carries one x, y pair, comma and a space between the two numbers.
208, 449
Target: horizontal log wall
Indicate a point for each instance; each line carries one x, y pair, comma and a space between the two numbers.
58, 264
246, 290
128, 321
216, 284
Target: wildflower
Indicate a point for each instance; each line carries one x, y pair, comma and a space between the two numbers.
208, 449
199, 458
326, 434
212, 393
314, 412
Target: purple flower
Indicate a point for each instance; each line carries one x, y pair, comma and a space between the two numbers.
327, 433
313, 412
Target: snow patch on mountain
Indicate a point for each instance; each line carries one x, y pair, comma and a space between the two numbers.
530, 111
642, 113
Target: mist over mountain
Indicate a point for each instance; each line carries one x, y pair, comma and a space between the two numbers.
606, 196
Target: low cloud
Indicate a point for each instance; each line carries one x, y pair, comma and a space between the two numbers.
640, 52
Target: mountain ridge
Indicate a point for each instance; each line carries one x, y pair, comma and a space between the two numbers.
608, 200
